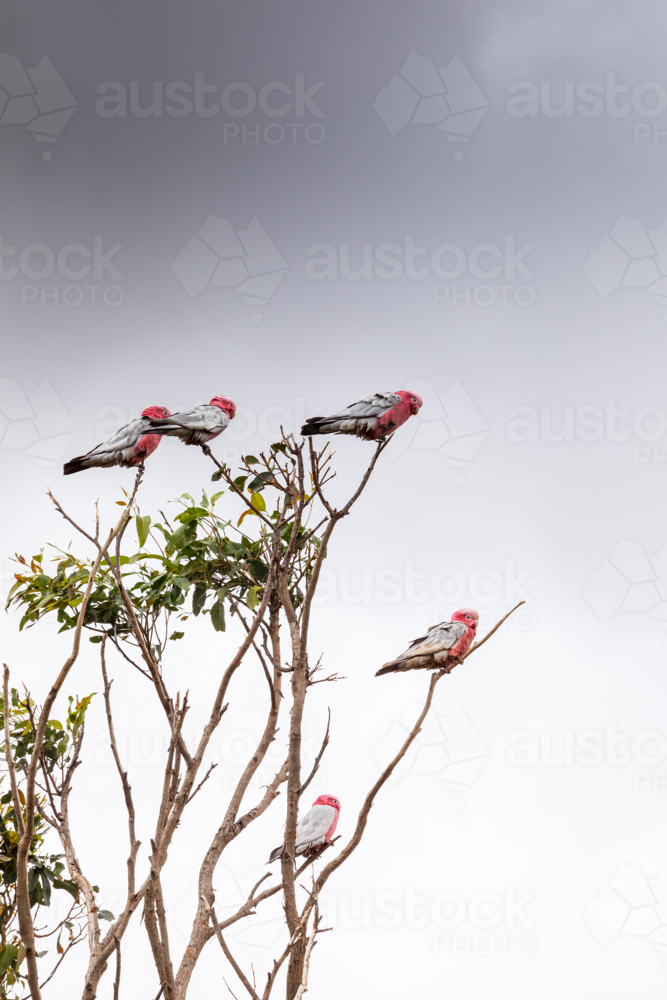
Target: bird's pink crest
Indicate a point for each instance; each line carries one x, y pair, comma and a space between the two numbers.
156, 412
327, 800
414, 401
226, 404
468, 616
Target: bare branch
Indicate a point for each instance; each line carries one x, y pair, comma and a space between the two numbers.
227, 953
202, 782
309, 949
325, 744
127, 790
116, 985
489, 634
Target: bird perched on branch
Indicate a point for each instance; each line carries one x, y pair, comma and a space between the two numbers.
442, 646
372, 418
129, 446
317, 827
198, 425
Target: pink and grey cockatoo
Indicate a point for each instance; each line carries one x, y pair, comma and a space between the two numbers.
198, 425
372, 418
317, 827
128, 447
442, 646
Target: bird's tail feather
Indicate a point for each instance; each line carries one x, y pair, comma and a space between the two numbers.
276, 853
74, 465
390, 668
315, 426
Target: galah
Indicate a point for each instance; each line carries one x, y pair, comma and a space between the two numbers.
128, 447
372, 418
442, 646
317, 827
198, 425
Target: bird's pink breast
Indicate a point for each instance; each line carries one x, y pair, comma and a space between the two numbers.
464, 643
145, 446
332, 829
396, 416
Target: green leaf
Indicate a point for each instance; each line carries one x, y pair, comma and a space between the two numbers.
216, 477
46, 890
257, 500
182, 582
218, 616
252, 598
143, 526
105, 915
177, 540
67, 886
216, 496
250, 460
94, 638
198, 598
177, 635
7, 956
240, 481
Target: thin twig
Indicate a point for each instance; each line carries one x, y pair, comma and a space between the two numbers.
494, 629
202, 782
325, 744
227, 953
309, 949
116, 985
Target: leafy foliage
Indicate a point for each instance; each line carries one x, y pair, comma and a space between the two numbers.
203, 565
45, 871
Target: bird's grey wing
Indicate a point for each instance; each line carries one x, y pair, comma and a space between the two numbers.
315, 824
369, 406
442, 637
125, 437
199, 418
